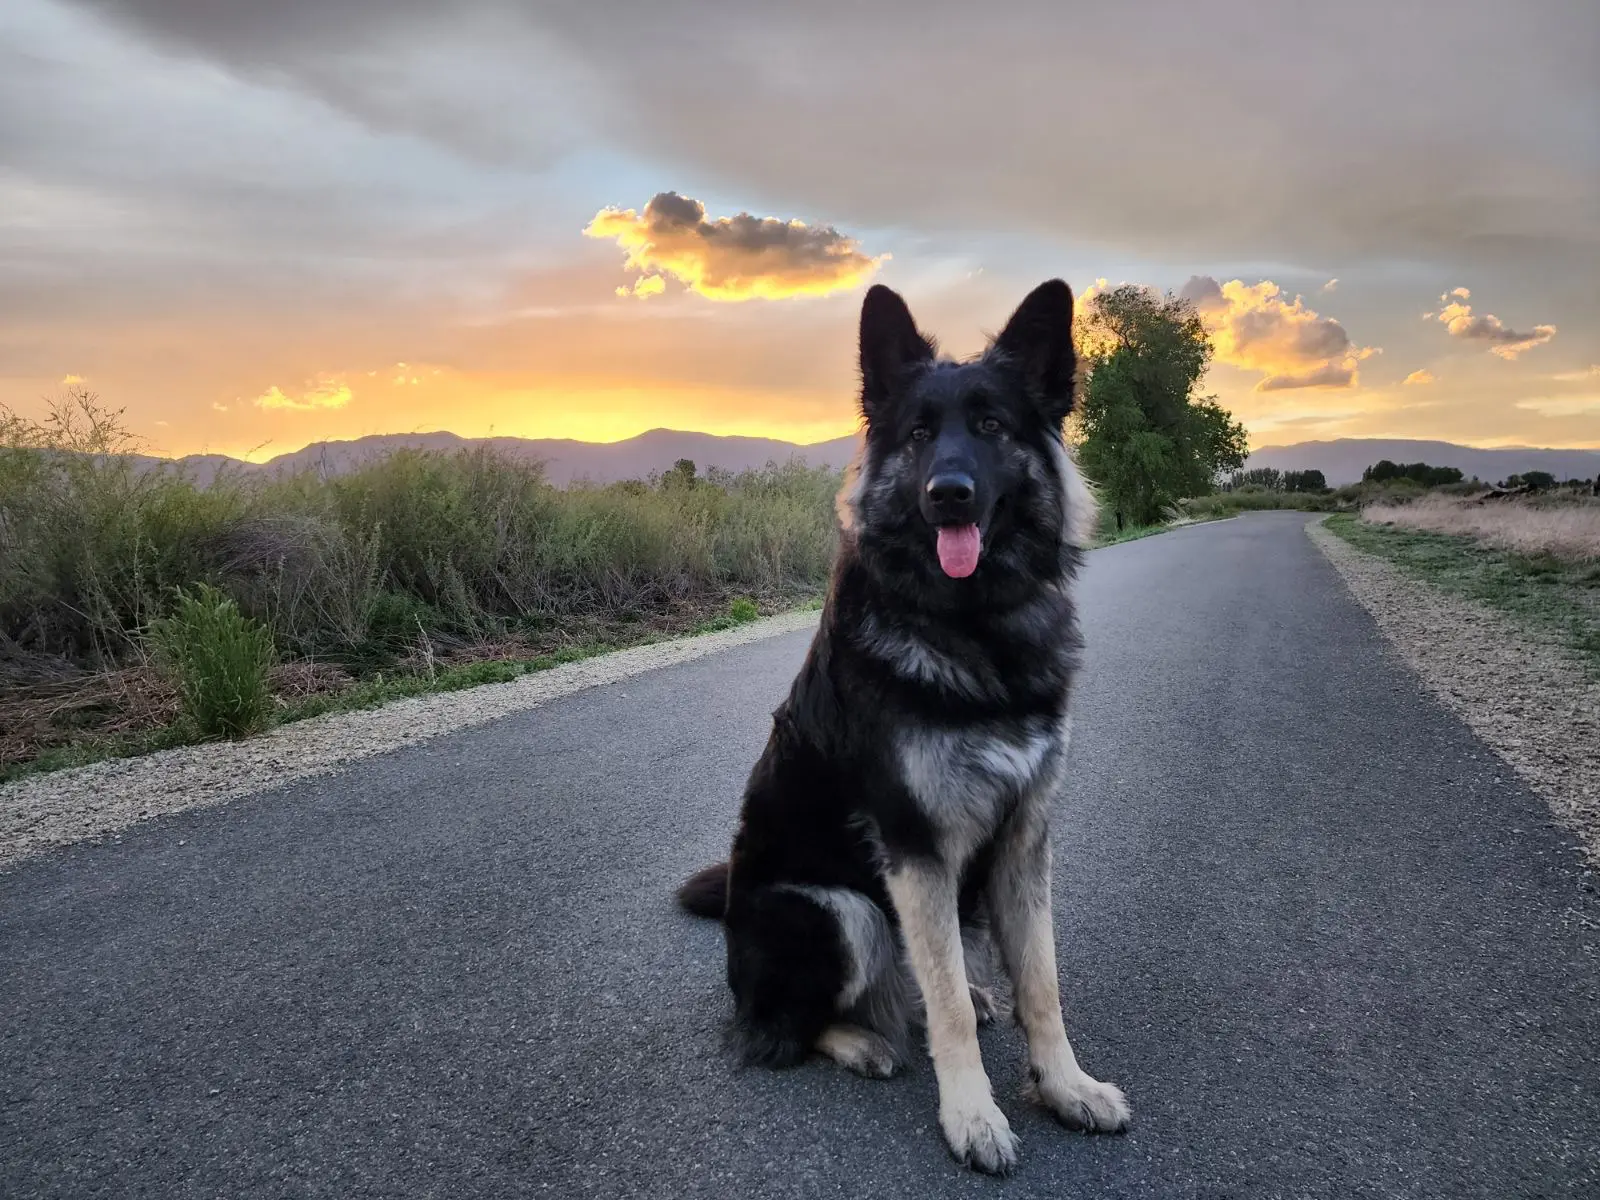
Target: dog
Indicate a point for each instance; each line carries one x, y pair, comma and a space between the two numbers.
896, 825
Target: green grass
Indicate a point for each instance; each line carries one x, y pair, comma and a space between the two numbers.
220, 660
1559, 597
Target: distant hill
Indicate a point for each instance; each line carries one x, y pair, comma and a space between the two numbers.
565, 460
1343, 461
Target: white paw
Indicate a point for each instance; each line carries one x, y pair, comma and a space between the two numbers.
1081, 1102
860, 1050
979, 1135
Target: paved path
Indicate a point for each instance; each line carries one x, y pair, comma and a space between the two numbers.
1324, 939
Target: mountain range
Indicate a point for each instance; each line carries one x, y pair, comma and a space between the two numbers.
566, 460
1342, 461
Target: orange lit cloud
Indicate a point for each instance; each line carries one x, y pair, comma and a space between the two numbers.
1457, 317
1255, 328
1422, 376
645, 287
326, 391
730, 258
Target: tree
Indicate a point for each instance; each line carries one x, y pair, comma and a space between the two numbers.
1305, 481
682, 475
1144, 436
1383, 471
1269, 478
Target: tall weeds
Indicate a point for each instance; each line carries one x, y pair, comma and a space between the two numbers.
1566, 528
446, 548
219, 659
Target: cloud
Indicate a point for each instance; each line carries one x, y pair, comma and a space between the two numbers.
1253, 327
731, 258
1328, 375
1331, 286
644, 287
1418, 377
1562, 406
327, 391
1508, 343
69, 380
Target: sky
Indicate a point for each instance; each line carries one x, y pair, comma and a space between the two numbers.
255, 226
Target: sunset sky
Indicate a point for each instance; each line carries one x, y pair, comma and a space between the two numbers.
256, 225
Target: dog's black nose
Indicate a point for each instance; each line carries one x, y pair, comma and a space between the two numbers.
951, 491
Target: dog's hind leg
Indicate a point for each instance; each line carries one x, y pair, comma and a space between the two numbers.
860, 1050
977, 952
815, 968
924, 895
1019, 905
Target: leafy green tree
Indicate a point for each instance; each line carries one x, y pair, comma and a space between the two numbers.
682, 475
1263, 477
1384, 471
1305, 481
1144, 436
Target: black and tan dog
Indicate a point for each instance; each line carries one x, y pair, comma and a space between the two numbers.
898, 818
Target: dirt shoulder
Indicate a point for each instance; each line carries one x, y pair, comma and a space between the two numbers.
44, 811
1516, 685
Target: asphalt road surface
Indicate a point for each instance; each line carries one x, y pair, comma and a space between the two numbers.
1327, 942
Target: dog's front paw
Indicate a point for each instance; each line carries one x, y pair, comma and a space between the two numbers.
979, 1135
1082, 1102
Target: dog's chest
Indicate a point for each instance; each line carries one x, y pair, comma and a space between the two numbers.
967, 781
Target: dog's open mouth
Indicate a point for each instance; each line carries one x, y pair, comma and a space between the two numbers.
959, 547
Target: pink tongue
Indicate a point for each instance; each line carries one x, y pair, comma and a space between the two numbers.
958, 550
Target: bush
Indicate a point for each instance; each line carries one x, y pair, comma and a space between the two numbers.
743, 610
219, 660
417, 547
1253, 499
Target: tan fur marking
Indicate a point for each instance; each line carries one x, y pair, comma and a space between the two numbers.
925, 899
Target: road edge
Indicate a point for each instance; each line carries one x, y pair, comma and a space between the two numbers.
1530, 701
39, 813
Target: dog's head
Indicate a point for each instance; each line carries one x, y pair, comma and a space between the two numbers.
964, 490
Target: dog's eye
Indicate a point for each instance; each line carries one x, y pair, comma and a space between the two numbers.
989, 425
920, 433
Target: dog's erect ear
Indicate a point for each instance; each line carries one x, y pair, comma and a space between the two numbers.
890, 345
1037, 343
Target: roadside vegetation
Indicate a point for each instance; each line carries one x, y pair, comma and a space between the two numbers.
139, 610
1534, 556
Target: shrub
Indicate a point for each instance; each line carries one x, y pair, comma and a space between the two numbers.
448, 548
219, 660
743, 610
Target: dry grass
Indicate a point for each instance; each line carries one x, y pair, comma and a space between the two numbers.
1566, 529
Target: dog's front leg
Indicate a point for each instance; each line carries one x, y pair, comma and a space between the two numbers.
1019, 902
925, 899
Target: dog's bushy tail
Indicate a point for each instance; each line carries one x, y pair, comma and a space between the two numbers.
705, 893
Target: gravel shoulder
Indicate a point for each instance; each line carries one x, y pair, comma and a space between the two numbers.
86, 803
1526, 696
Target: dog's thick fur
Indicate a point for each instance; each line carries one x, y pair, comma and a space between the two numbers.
898, 817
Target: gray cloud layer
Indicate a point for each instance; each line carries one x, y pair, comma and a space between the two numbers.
1457, 134
322, 163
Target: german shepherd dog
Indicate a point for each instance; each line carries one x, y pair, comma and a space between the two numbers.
896, 825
